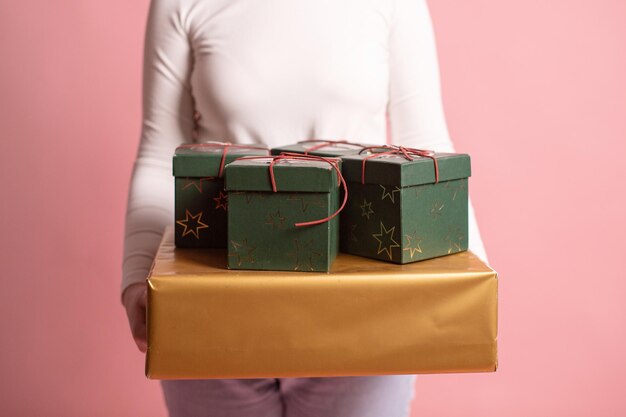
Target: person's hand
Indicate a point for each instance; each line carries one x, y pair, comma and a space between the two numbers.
135, 298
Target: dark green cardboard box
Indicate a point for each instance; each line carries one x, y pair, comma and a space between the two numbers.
201, 202
325, 148
400, 215
261, 223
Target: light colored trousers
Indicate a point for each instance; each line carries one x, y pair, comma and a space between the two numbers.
371, 396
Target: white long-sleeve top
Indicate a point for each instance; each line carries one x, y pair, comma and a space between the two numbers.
275, 72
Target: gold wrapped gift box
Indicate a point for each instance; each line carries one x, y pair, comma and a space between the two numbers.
365, 317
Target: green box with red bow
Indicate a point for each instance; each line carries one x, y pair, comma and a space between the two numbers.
405, 205
283, 213
201, 203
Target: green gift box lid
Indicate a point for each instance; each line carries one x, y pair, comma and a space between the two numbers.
205, 159
320, 147
397, 170
290, 175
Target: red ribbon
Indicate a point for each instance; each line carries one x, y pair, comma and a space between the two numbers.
408, 153
286, 156
324, 143
225, 147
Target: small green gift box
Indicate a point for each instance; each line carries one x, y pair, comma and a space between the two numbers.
321, 147
405, 205
201, 203
283, 213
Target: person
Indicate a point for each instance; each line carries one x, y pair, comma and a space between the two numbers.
273, 72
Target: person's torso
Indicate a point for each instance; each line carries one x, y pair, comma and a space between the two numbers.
278, 71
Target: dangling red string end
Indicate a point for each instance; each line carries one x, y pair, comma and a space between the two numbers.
286, 156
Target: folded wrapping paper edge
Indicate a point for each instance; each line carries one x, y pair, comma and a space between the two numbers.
169, 376
490, 364
160, 374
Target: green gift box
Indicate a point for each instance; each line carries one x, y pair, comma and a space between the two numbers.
282, 214
201, 203
405, 206
320, 147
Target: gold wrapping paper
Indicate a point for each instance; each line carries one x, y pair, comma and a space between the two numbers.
365, 317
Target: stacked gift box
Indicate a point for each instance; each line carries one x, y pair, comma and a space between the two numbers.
250, 282
201, 202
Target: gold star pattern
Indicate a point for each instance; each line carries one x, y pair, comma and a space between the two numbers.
454, 238
259, 194
304, 255
192, 224
436, 209
249, 195
196, 182
456, 187
413, 244
391, 194
352, 234
305, 202
366, 209
385, 239
423, 189
242, 252
276, 220
221, 201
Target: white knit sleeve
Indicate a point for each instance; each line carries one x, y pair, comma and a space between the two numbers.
415, 106
167, 122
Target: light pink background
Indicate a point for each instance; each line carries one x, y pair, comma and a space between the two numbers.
535, 90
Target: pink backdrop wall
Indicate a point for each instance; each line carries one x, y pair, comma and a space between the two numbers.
534, 90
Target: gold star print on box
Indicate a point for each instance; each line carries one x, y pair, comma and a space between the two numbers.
221, 201
391, 194
304, 255
242, 252
419, 190
366, 209
249, 195
276, 220
305, 202
196, 183
413, 244
454, 238
352, 234
192, 224
455, 187
436, 209
385, 239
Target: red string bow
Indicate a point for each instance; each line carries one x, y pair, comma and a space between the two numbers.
287, 156
408, 153
323, 143
225, 147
